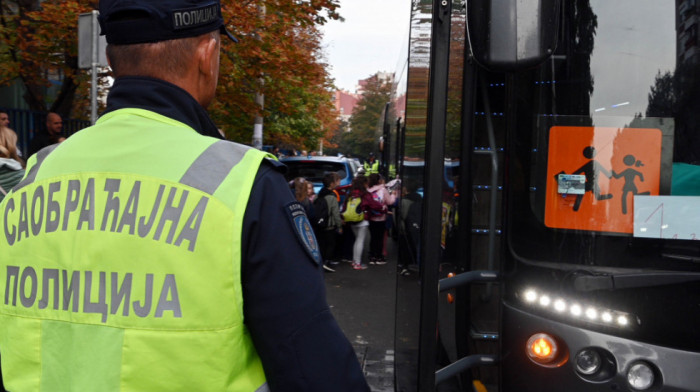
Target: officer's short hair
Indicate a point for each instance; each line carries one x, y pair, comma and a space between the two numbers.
330, 178
147, 59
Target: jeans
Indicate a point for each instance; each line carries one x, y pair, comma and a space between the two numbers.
359, 245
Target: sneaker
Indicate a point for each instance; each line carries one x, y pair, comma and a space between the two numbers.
380, 262
358, 266
327, 268
405, 272
333, 263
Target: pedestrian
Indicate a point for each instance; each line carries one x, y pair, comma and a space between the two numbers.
371, 165
300, 186
4, 119
311, 193
327, 211
185, 263
360, 228
409, 223
52, 134
11, 165
377, 218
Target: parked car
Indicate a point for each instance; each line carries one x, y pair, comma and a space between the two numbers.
415, 169
313, 168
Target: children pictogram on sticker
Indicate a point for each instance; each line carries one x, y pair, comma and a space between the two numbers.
590, 167
629, 176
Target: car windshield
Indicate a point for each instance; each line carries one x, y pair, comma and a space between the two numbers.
313, 170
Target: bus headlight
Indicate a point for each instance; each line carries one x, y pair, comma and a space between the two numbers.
640, 376
576, 309
588, 361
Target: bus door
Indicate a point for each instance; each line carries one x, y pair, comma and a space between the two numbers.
451, 165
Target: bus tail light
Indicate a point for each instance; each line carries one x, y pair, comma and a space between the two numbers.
545, 350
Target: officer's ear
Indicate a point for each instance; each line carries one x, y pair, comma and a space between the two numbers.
206, 68
208, 55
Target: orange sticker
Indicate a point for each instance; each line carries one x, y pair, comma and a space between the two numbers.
617, 163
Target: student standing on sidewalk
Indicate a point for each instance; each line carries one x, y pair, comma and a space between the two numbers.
361, 228
377, 218
328, 233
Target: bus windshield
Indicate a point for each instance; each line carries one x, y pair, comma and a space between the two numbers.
607, 168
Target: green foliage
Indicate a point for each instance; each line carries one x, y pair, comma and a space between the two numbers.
366, 120
335, 139
662, 98
39, 48
279, 55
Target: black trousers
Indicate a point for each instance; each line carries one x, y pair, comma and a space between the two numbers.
376, 239
327, 239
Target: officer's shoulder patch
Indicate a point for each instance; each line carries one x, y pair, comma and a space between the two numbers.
297, 215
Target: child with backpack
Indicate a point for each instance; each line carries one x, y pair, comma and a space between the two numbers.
377, 218
355, 215
327, 222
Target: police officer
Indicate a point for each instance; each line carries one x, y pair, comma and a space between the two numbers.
371, 165
145, 253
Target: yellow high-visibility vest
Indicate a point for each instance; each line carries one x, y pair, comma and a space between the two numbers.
120, 262
371, 168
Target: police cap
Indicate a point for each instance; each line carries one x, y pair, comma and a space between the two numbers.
127, 22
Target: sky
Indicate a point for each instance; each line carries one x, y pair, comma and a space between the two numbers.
368, 41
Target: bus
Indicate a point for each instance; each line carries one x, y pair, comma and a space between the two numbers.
562, 253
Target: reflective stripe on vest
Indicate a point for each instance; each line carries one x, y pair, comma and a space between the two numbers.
123, 273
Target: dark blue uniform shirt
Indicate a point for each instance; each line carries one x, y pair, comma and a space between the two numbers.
301, 346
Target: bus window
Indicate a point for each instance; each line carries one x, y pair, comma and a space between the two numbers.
686, 180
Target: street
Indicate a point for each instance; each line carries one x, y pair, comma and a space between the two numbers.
363, 303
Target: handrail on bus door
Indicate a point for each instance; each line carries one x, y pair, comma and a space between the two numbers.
467, 278
463, 364
494, 182
470, 361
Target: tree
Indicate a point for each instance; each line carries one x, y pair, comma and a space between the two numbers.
281, 47
676, 95
39, 45
662, 98
334, 144
366, 120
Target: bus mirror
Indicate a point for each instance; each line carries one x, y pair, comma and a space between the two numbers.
509, 35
